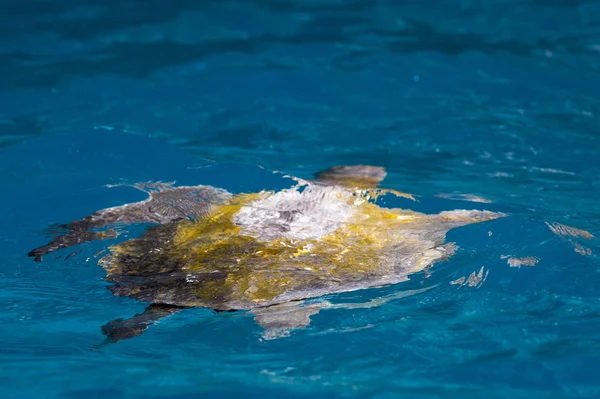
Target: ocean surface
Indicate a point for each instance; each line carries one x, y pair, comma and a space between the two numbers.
468, 104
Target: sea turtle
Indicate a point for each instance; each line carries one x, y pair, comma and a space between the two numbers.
267, 252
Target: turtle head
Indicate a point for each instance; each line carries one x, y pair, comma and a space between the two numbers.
355, 176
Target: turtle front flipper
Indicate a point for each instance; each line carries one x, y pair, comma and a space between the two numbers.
73, 237
119, 329
165, 204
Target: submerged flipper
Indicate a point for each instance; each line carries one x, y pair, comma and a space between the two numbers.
165, 204
118, 330
279, 320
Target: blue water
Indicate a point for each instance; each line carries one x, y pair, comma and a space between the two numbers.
492, 98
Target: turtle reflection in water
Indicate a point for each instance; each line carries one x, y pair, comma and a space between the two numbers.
267, 251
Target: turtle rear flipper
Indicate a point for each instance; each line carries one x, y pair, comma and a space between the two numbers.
119, 329
279, 320
165, 204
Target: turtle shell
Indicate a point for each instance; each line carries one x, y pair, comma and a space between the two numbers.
261, 249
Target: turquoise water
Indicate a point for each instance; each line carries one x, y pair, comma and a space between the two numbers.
493, 99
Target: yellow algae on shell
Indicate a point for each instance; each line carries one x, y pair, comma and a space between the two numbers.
259, 271
218, 222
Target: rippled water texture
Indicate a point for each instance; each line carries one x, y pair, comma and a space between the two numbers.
475, 104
